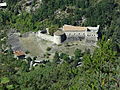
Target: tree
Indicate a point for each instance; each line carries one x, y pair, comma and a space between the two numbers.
53, 29
65, 57
77, 54
4, 83
99, 68
48, 48
56, 58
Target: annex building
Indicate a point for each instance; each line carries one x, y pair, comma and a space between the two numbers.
3, 5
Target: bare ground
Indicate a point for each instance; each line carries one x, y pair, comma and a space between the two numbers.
37, 46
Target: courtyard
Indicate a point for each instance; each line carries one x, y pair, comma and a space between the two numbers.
38, 47
35, 46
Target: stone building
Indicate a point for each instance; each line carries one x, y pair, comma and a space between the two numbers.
71, 33
19, 54
88, 34
59, 37
3, 5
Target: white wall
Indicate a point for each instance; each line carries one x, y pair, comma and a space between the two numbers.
45, 36
3, 4
57, 39
95, 29
72, 34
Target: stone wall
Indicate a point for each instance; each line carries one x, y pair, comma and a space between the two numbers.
45, 36
58, 39
75, 34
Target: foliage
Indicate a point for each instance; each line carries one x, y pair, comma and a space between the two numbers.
4, 80
53, 29
78, 54
56, 58
48, 48
99, 71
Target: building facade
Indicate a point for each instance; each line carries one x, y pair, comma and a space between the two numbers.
88, 34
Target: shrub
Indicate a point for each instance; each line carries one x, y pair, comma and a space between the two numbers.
48, 49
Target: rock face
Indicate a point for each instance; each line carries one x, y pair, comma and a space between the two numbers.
28, 5
13, 40
31, 5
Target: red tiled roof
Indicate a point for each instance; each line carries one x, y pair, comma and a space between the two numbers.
19, 53
73, 28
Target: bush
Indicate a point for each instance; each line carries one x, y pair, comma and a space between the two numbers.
48, 49
27, 52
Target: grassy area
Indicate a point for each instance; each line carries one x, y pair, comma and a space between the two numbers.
31, 45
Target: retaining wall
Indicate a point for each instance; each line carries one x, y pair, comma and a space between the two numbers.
45, 36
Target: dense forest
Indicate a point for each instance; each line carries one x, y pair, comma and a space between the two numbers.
99, 71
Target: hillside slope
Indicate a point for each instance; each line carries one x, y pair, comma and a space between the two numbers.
56, 13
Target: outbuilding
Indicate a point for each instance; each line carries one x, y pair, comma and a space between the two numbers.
19, 54
3, 5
